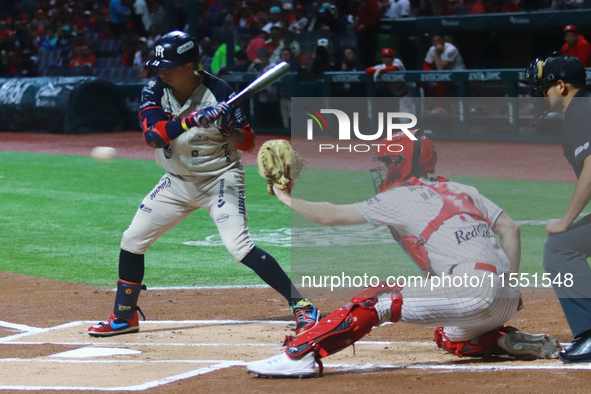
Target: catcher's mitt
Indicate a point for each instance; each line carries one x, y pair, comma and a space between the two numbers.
279, 164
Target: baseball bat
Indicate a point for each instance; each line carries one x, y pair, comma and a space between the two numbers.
265, 80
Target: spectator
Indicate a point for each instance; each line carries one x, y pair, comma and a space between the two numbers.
241, 63
274, 41
157, 15
391, 63
328, 19
179, 14
261, 64
287, 14
274, 19
220, 58
476, 8
257, 42
351, 61
300, 21
441, 8
287, 57
367, 30
64, 42
142, 20
119, 13
287, 42
576, 45
82, 56
320, 62
398, 9
425, 8
87, 22
142, 50
246, 18
443, 55
313, 25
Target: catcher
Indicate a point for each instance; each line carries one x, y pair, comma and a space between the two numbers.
448, 229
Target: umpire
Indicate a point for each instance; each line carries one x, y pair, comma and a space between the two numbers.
561, 81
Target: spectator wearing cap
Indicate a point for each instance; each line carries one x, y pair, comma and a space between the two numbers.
287, 13
274, 19
391, 63
87, 22
576, 45
300, 21
246, 18
287, 42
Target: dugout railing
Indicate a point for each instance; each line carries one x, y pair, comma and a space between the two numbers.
501, 84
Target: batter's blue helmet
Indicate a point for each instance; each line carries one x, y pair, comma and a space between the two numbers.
173, 50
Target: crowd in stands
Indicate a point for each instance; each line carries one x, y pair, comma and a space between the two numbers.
114, 38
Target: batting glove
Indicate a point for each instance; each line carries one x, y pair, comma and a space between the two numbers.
206, 117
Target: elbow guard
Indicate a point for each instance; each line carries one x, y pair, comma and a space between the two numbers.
248, 139
156, 136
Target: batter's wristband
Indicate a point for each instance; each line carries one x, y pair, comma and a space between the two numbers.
248, 140
184, 124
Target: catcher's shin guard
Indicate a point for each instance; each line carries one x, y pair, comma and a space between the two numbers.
126, 299
347, 324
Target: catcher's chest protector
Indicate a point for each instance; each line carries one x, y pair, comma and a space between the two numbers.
453, 204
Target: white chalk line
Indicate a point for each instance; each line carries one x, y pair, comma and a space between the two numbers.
20, 327
140, 387
222, 364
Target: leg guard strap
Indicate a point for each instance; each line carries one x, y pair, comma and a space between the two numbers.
342, 327
126, 299
483, 346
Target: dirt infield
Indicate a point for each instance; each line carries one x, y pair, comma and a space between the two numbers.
199, 340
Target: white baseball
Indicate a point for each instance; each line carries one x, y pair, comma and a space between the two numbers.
104, 154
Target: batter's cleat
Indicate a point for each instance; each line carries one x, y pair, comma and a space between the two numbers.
529, 346
306, 315
115, 326
283, 366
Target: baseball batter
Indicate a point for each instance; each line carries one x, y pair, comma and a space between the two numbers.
198, 140
448, 229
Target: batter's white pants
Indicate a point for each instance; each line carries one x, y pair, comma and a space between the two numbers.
176, 197
465, 312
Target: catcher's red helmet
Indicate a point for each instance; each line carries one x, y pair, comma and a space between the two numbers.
404, 158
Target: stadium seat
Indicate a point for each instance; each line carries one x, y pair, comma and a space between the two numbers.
102, 62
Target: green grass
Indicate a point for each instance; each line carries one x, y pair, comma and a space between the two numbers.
62, 217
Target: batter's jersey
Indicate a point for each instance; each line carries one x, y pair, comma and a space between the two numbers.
197, 151
409, 209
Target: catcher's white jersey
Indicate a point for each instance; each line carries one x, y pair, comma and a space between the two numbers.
469, 310
460, 239
197, 151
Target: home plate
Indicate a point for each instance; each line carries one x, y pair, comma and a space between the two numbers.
85, 352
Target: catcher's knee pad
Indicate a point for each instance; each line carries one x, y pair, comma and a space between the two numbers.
346, 325
126, 299
483, 346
